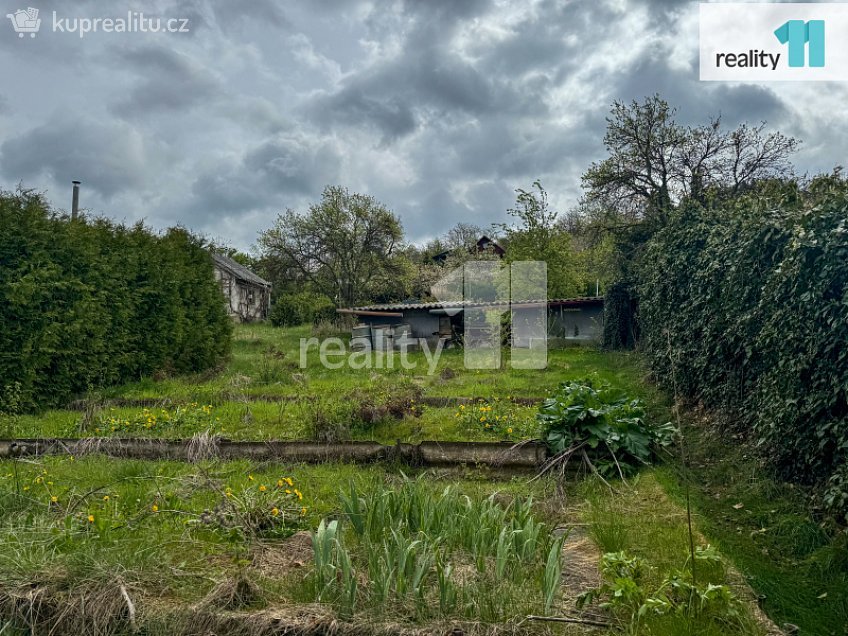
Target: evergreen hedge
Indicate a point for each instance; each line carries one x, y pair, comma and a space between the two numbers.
744, 305
88, 303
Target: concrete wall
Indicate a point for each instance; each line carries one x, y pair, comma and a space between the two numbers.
244, 302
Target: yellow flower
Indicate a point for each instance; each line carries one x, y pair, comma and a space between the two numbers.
154, 508
461, 407
275, 511
288, 492
54, 499
509, 430
105, 497
289, 481
262, 488
303, 511
280, 483
298, 493
91, 518
250, 477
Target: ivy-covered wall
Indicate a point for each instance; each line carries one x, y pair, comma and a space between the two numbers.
744, 305
87, 303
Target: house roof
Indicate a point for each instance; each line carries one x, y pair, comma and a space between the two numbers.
482, 244
580, 301
238, 270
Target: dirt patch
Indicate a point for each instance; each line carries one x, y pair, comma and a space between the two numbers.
276, 559
580, 559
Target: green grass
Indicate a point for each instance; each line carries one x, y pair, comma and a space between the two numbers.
639, 518
797, 564
71, 520
265, 362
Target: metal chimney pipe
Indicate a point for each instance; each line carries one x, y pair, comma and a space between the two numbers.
75, 201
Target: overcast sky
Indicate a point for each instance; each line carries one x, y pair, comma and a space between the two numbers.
439, 108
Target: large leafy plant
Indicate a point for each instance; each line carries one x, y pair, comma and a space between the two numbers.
602, 426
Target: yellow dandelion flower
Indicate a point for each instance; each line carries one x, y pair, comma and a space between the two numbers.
91, 518
54, 499
262, 488
105, 497
288, 492
154, 508
280, 483
461, 407
509, 430
299, 494
303, 511
289, 481
275, 511
250, 477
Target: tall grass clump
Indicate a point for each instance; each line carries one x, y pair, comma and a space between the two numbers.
417, 552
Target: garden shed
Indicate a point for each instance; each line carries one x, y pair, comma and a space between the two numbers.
246, 295
578, 320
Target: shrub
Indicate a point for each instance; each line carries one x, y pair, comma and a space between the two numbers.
291, 310
602, 425
744, 306
88, 303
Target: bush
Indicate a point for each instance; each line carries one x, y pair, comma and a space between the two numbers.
291, 310
744, 306
88, 303
607, 429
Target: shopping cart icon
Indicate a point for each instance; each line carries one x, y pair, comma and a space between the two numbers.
25, 21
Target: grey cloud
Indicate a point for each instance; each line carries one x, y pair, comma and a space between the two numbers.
171, 81
109, 156
281, 172
438, 108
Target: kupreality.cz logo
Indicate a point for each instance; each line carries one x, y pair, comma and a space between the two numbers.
761, 42
29, 22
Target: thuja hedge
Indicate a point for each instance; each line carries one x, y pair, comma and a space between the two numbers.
88, 303
744, 305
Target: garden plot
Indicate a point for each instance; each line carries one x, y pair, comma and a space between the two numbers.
255, 547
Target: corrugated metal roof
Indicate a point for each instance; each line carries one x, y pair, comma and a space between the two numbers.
238, 270
459, 304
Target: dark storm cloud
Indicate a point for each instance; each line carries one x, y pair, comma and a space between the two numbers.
282, 172
109, 156
171, 81
438, 108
